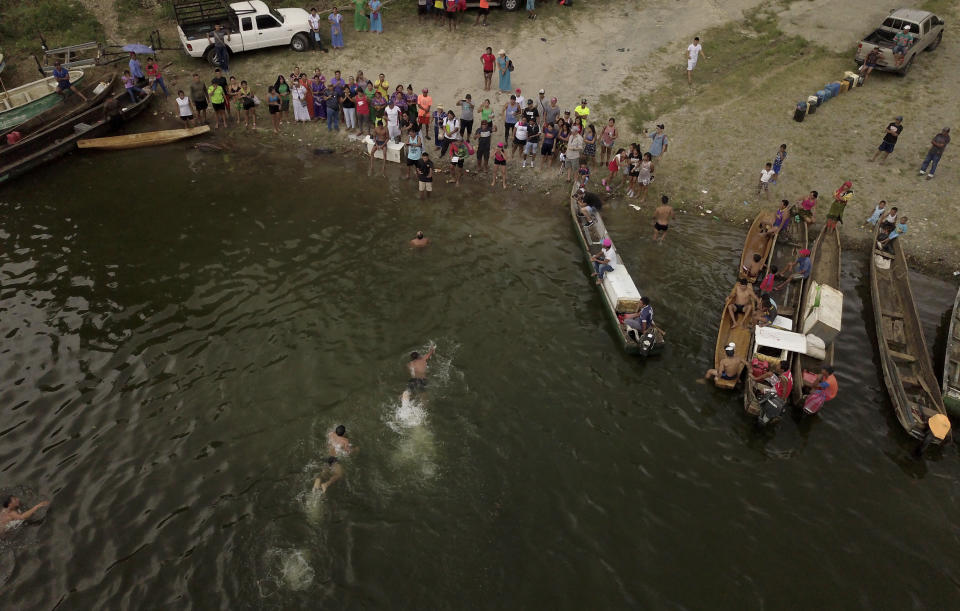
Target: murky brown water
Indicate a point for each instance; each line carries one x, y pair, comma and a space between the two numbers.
181, 332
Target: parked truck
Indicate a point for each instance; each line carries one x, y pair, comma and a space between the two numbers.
251, 25
927, 30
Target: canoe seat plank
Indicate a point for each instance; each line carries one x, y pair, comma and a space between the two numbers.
893, 331
908, 380
902, 357
894, 314
883, 253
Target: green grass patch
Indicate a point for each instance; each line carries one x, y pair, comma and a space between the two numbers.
739, 54
62, 23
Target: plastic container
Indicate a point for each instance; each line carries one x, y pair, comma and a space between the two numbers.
816, 347
812, 102
824, 312
800, 113
856, 78
844, 86
822, 96
833, 89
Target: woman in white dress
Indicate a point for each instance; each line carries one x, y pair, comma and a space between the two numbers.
299, 94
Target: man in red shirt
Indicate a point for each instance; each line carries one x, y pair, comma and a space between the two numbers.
487, 59
424, 102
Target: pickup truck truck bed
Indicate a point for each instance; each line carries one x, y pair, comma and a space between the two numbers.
926, 28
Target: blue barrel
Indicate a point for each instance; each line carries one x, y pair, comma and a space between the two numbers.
833, 88
822, 97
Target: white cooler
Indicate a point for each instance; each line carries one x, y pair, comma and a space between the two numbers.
824, 312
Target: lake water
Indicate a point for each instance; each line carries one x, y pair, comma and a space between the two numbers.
181, 329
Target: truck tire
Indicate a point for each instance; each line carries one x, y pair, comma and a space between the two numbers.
935, 43
211, 56
510, 5
300, 43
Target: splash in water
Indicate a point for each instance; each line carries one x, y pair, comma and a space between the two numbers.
295, 570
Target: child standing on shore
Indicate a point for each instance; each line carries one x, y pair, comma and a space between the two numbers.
765, 175
778, 162
499, 165
878, 212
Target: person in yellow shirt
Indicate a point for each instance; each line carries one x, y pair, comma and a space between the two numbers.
382, 85
582, 111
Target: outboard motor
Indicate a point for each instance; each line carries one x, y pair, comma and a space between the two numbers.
650, 342
771, 409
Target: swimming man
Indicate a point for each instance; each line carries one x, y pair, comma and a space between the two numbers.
10, 512
418, 369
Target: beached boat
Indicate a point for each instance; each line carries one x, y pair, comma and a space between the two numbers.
759, 240
620, 295
780, 340
27, 101
825, 272
62, 138
95, 92
904, 358
132, 141
951, 364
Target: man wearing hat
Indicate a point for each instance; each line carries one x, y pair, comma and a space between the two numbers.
582, 110
658, 143
937, 146
542, 104
604, 260
901, 42
521, 101
800, 268
894, 129
730, 366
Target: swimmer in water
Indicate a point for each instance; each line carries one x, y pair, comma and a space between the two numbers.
337, 442
420, 241
334, 469
10, 514
418, 369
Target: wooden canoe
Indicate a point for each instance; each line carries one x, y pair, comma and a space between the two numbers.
787, 245
825, 258
759, 241
907, 369
27, 101
62, 138
95, 92
133, 141
951, 364
620, 295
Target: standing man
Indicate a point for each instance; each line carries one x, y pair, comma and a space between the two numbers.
574, 147
520, 98
937, 146
482, 13
392, 113
451, 132
314, 20
198, 93
893, 132
219, 39
424, 102
136, 71
531, 6
694, 51
552, 113
414, 150
661, 219
466, 117
533, 141
425, 175
531, 113
658, 143
62, 75
541, 106
582, 111
382, 85
487, 60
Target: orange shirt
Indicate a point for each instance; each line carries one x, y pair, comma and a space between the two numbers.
484, 4
832, 387
426, 102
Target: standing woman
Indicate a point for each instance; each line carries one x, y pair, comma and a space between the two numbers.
299, 95
185, 108
318, 101
218, 98
376, 23
360, 23
589, 145
233, 91
503, 67
608, 137
363, 111
274, 104
563, 137
349, 104
840, 199
336, 29
645, 175
412, 99
500, 165
634, 169
282, 89
378, 103
248, 104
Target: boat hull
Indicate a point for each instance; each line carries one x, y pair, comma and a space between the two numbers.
951, 363
132, 141
32, 99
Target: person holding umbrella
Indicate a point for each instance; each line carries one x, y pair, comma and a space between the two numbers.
136, 70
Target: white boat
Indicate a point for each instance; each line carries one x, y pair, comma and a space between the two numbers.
27, 101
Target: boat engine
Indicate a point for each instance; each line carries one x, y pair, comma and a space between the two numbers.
771, 409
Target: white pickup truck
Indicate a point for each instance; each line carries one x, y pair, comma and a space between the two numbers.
926, 28
251, 25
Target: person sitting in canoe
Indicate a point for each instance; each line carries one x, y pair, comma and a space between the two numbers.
825, 388
800, 268
777, 379
767, 312
603, 261
899, 229
590, 204
741, 302
63, 81
730, 366
640, 322
782, 217
752, 270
